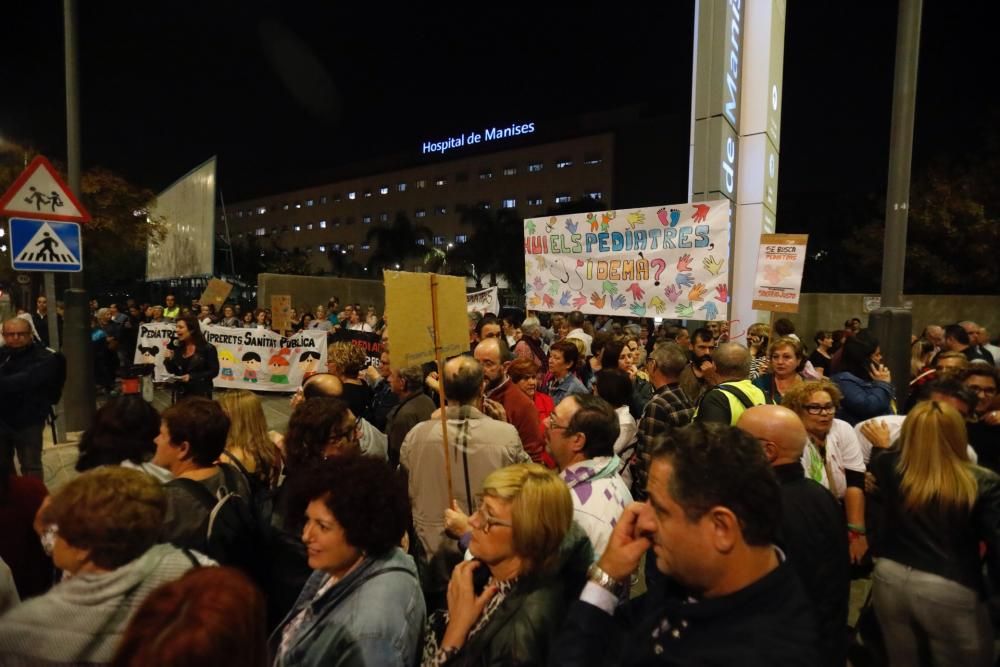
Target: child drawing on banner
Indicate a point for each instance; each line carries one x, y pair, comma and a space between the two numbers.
148, 354
278, 365
251, 364
226, 363
308, 363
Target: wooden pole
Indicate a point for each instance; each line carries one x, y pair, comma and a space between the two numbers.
443, 400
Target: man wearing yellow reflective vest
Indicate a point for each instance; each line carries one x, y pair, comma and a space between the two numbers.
734, 394
171, 311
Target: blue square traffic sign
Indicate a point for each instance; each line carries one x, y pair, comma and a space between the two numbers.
45, 245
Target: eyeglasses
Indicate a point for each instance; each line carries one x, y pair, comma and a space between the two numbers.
554, 424
16, 334
985, 391
351, 433
817, 409
488, 519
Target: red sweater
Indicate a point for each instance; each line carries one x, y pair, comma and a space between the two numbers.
522, 415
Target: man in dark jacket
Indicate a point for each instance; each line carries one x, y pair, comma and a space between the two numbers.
813, 529
27, 373
413, 407
712, 518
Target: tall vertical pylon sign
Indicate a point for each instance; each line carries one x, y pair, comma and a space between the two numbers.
736, 129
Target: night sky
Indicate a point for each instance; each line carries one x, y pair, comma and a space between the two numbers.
283, 92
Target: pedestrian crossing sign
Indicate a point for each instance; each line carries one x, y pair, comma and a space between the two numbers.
45, 245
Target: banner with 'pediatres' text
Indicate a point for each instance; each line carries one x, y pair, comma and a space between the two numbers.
660, 261
257, 359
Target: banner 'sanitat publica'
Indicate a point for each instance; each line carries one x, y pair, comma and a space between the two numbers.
255, 359
661, 261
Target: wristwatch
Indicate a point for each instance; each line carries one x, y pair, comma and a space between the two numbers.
605, 580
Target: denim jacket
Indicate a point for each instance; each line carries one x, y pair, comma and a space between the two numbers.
374, 616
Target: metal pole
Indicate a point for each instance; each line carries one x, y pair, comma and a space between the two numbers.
891, 323
897, 201
79, 390
229, 240
53, 325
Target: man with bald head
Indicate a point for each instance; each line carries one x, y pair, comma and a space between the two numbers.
372, 441
734, 394
972, 330
495, 357
813, 530
477, 445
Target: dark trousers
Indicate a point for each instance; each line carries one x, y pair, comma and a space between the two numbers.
26, 441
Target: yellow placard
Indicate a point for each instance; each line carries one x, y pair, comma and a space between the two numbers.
411, 319
216, 293
281, 312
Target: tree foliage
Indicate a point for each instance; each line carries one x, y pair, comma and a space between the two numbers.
114, 242
953, 232
396, 244
495, 246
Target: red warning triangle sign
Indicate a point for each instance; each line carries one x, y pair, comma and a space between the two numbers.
39, 192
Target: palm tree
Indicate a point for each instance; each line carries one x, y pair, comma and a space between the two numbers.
343, 264
496, 246
396, 243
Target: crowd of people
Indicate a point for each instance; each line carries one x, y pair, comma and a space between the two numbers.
592, 491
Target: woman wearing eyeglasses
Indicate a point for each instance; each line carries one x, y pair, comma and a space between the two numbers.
362, 605
833, 457
937, 509
529, 563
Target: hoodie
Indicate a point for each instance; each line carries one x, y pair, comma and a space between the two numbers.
83, 619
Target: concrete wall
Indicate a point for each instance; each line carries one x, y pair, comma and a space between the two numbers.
828, 311
307, 292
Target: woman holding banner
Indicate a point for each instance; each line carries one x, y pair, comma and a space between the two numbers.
191, 359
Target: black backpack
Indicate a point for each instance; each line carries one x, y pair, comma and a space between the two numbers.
232, 533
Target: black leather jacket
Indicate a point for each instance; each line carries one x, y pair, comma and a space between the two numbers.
942, 543
202, 366
26, 375
524, 626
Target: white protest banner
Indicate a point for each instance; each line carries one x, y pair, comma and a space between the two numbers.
255, 359
484, 301
780, 262
659, 261
153, 340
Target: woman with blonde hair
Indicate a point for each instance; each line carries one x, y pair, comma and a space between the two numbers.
524, 539
937, 507
248, 446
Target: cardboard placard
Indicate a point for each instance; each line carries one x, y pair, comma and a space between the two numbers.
216, 293
780, 261
281, 312
408, 302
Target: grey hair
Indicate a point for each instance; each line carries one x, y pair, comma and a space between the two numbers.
530, 326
